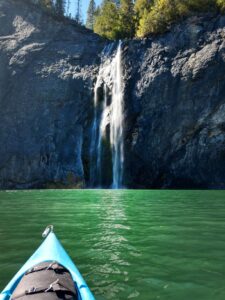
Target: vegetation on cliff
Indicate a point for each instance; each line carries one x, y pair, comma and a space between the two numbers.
146, 17
115, 21
56, 7
120, 19
163, 13
61, 9
91, 15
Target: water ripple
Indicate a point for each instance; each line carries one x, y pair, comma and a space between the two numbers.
127, 244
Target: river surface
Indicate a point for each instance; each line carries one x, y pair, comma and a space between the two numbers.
127, 244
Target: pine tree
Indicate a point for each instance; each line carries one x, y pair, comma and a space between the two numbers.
107, 21
91, 15
142, 5
60, 7
126, 13
97, 11
78, 14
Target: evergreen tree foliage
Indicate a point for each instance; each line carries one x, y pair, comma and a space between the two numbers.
97, 11
107, 22
141, 6
60, 7
78, 14
126, 19
115, 22
162, 13
118, 19
91, 15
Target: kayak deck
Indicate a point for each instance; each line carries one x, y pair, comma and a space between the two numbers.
50, 250
46, 281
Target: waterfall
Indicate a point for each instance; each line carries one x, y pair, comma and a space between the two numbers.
108, 113
116, 121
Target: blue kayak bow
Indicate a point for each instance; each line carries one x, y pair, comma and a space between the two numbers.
50, 250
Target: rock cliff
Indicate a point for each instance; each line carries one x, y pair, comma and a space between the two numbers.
174, 102
47, 68
175, 107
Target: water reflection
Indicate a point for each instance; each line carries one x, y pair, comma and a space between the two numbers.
114, 246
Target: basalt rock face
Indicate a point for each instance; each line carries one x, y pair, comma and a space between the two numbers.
174, 102
47, 69
175, 107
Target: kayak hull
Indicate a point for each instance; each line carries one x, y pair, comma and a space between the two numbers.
50, 250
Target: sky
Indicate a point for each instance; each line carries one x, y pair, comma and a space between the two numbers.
84, 7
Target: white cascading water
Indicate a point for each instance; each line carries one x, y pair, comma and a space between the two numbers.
110, 74
116, 120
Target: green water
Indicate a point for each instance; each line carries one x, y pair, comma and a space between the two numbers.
127, 244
